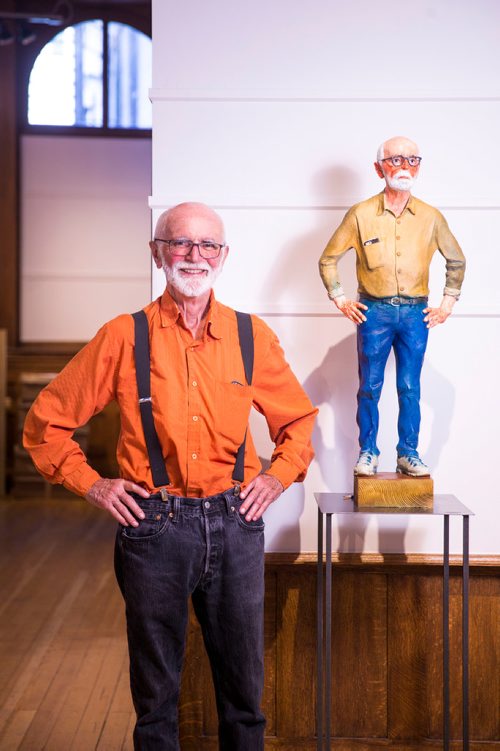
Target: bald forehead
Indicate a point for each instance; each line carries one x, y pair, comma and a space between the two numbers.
192, 217
398, 145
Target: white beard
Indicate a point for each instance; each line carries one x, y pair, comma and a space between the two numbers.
402, 180
198, 285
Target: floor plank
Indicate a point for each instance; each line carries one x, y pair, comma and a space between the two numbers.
63, 651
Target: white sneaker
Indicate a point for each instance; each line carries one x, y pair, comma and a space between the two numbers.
367, 464
412, 465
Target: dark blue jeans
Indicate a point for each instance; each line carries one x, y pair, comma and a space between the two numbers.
205, 549
401, 327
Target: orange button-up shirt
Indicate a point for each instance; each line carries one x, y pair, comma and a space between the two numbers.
201, 404
393, 254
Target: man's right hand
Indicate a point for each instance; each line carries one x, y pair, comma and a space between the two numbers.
352, 309
112, 496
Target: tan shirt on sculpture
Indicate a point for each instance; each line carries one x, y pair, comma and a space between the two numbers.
393, 254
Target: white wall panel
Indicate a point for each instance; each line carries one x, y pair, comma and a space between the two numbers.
322, 153
278, 131
85, 231
72, 309
358, 48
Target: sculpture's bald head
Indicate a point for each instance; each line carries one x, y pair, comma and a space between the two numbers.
398, 145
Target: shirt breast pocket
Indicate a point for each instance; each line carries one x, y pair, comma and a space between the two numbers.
233, 403
373, 250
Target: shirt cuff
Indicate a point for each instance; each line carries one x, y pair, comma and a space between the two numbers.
285, 472
336, 292
452, 292
81, 480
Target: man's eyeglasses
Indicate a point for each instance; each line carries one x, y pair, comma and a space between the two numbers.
182, 247
399, 160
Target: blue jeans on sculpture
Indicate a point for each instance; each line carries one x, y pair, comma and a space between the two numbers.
401, 327
205, 549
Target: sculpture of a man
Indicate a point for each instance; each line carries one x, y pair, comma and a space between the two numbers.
395, 236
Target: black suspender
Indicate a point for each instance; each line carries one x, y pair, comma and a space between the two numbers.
143, 375
245, 334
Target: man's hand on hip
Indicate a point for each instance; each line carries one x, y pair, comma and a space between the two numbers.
439, 315
352, 309
259, 494
112, 496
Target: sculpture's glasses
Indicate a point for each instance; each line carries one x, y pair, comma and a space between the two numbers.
399, 160
182, 247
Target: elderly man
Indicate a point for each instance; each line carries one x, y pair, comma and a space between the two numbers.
185, 373
395, 236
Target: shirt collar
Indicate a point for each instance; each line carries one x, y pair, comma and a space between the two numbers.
170, 313
410, 206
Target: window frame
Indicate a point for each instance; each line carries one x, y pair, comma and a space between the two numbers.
30, 54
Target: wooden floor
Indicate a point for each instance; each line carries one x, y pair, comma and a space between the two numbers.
63, 652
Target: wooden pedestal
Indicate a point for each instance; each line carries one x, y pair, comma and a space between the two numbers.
393, 489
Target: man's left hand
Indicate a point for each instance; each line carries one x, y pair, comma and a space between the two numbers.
258, 495
439, 315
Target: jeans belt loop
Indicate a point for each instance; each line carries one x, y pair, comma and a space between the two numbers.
176, 504
229, 498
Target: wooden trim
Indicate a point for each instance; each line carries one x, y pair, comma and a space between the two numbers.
90, 131
3, 407
9, 169
490, 561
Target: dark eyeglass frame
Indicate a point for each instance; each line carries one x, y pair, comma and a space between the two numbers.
403, 159
206, 248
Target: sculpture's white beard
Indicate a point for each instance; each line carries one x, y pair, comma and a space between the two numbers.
401, 180
191, 286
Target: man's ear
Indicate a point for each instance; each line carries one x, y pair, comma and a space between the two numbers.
155, 253
378, 170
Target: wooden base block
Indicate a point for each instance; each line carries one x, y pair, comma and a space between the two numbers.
393, 489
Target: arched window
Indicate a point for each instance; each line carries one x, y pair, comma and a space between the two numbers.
95, 74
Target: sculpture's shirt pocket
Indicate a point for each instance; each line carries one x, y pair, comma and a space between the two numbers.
373, 249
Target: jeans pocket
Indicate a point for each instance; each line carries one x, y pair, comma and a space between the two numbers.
155, 522
253, 526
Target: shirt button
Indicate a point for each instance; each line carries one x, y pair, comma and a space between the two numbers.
195, 418
195, 383
402, 289
194, 456
398, 253
398, 221
398, 237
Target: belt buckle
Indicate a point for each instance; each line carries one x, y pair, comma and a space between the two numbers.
396, 301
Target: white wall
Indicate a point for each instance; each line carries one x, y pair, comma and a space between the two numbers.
272, 113
84, 233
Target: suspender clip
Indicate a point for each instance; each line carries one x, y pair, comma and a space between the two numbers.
164, 494
145, 399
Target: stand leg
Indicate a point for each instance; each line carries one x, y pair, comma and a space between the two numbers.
446, 634
319, 637
328, 634
465, 633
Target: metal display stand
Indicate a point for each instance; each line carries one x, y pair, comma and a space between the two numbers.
339, 503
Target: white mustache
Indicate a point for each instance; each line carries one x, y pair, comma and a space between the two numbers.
402, 173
